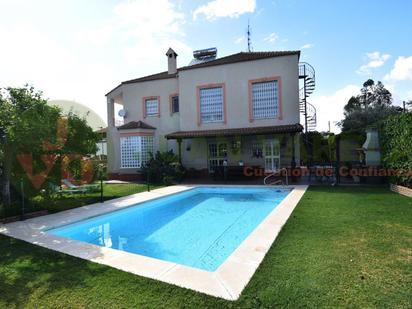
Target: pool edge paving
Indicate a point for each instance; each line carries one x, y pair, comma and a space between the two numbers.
226, 282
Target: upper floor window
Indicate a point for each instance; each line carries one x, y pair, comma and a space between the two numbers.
211, 104
151, 106
174, 104
265, 99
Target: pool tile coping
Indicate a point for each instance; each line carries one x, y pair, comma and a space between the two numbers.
226, 282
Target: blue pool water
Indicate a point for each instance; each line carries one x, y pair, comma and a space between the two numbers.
198, 228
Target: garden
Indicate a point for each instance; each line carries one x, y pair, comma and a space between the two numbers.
342, 247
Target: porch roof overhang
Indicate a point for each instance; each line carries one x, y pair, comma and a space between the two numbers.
289, 128
135, 125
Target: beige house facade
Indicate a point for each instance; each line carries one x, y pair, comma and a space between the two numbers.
236, 111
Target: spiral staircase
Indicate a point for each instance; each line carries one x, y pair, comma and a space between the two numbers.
307, 74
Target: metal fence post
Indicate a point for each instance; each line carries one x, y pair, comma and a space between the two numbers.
148, 182
337, 141
101, 190
101, 185
22, 198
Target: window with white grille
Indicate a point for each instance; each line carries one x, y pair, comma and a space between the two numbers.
217, 154
152, 107
135, 150
265, 100
211, 104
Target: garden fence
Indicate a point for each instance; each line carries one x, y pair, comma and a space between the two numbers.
26, 201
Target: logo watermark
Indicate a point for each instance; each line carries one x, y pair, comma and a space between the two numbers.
50, 159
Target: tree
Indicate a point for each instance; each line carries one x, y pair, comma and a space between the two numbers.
26, 123
396, 142
25, 120
373, 104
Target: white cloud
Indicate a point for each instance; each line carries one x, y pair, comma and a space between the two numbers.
402, 70
390, 87
138, 18
225, 8
130, 41
146, 29
308, 45
374, 60
271, 38
46, 61
239, 40
409, 95
330, 107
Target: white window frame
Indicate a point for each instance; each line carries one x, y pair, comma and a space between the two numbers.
135, 150
151, 100
271, 154
210, 109
265, 99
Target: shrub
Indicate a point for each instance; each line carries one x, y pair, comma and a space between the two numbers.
396, 144
163, 167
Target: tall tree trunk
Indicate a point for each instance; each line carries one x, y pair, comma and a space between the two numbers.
7, 166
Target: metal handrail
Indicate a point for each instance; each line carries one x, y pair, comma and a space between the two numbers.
304, 68
308, 73
311, 109
276, 173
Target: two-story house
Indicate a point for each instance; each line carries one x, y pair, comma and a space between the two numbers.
238, 110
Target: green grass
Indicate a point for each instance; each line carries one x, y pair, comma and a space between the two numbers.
342, 247
67, 201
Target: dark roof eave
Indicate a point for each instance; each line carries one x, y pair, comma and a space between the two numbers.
135, 125
115, 88
241, 57
281, 129
234, 58
158, 76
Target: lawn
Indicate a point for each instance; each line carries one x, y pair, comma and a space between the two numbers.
342, 247
60, 202
110, 191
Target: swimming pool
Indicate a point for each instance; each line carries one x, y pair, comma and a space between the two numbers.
199, 228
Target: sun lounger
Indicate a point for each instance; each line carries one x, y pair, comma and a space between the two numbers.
90, 187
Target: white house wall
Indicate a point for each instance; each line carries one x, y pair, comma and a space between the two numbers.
236, 77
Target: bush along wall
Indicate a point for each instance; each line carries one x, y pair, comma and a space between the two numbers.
396, 145
163, 167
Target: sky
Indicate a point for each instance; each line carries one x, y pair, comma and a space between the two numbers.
79, 50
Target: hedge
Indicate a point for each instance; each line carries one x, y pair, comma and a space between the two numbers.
396, 145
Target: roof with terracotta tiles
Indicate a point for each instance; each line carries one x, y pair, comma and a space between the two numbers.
135, 125
239, 57
289, 128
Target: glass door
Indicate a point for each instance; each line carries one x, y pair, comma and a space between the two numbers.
217, 154
272, 155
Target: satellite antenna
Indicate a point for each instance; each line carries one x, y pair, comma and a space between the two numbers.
122, 113
249, 41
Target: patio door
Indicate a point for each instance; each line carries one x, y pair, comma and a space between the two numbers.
217, 154
272, 155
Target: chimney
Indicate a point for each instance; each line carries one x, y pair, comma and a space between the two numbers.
171, 61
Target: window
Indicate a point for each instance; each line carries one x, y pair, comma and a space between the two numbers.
175, 104
134, 150
272, 155
257, 150
151, 107
217, 154
211, 104
265, 99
